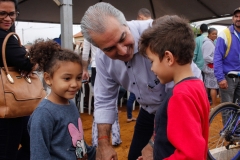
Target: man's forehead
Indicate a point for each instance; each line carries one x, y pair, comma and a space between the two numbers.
111, 36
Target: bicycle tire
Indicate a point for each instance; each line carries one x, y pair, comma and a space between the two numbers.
218, 135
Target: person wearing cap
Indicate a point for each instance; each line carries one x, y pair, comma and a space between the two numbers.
229, 87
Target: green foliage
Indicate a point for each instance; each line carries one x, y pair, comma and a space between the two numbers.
195, 30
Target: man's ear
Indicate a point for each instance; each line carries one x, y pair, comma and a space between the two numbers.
47, 78
169, 58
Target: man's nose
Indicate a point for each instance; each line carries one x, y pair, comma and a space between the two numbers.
121, 49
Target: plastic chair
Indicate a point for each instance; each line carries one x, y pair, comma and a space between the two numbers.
91, 94
82, 99
79, 99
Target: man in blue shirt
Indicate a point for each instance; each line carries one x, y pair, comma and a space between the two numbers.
118, 63
229, 87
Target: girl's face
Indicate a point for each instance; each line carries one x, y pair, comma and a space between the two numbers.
65, 82
7, 15
213, 35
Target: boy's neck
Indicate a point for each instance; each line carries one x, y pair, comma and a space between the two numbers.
181, 72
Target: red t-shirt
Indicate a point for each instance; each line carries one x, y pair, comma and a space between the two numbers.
182, 124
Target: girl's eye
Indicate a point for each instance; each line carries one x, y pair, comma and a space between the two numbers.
79, 78
67, 79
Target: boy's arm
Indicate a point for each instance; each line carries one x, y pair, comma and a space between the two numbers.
40, 130
184, 129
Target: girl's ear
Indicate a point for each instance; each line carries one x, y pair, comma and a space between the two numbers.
47, 78
169, 57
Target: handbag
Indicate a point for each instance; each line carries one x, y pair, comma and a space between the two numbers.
19, 96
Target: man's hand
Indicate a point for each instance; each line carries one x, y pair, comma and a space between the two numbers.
223, 84
85, 75
147, 153
106, 152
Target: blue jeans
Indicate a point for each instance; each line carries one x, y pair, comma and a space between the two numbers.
121, 93
142, 133
130, 102
13, 131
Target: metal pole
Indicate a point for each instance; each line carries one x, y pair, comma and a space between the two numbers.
66, 24
22, 36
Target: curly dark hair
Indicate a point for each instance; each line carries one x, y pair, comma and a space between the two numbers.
47, 54
169, 33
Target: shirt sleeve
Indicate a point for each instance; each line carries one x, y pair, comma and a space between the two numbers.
195, 51
105, 93
40, 131
184, 129
219, 53
196, 71
207, 51
86, 50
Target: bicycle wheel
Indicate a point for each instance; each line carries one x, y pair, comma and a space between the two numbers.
221, 144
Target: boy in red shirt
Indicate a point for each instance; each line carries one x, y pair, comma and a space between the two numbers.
181, 122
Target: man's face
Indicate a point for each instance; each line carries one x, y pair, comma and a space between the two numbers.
236, 20
116, 42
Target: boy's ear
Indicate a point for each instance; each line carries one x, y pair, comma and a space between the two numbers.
47, 78
169, 57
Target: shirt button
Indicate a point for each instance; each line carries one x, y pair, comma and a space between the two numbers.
129, 66
160, 94
146, 105
138, 97
133, 82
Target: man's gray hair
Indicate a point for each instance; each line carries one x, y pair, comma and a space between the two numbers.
96, 17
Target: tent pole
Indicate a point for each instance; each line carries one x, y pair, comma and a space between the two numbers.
66, 24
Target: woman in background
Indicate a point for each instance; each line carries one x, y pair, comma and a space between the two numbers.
210, 80
13, 131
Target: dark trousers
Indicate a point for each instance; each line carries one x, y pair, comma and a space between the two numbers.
142, 133
93, 75
13, 131
130, 102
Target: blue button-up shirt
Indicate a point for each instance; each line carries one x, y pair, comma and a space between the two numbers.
135, 76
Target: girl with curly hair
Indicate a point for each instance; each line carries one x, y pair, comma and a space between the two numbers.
55, 126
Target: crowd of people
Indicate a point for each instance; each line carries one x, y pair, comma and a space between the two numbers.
168, 71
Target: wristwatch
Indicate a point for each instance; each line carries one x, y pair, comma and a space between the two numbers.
151, 143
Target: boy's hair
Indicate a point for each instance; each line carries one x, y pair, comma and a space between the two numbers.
48, 54
169, 33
